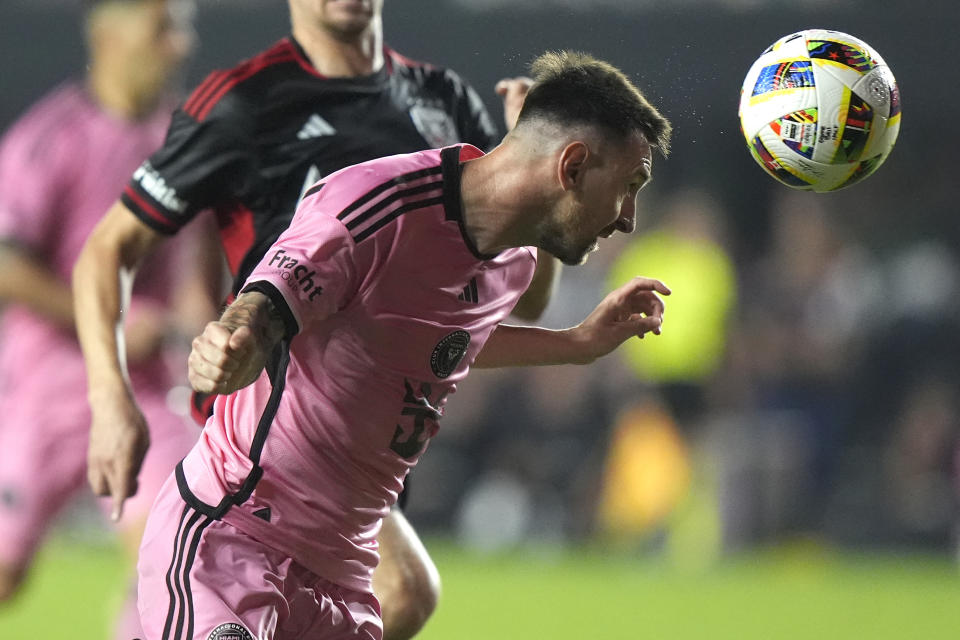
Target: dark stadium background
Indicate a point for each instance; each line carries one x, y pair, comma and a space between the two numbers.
833, 461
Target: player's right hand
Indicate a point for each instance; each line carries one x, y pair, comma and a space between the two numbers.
223, 360
634, 309
119, 440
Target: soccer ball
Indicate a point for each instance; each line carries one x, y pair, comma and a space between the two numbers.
820, 110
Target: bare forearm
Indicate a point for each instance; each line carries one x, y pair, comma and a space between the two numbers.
511, 346
102, 279
634, 309
98, 294
24, 280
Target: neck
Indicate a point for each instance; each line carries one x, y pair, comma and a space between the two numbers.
500, 203
114, 95
338, 56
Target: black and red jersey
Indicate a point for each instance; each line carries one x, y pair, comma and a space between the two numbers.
250, 140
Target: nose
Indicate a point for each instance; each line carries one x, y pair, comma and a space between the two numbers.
627, 221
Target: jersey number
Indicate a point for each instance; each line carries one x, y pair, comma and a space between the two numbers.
419, 413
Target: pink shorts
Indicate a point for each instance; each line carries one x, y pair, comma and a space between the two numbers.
43, 464
202, 579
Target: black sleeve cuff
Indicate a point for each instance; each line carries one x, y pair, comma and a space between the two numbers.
152, 219
267, 289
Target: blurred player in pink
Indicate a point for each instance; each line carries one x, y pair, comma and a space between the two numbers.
61, 165
336, 359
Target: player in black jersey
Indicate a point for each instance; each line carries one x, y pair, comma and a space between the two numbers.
246, 144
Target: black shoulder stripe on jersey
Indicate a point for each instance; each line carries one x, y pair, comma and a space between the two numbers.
386, 202
393, 215
393, 182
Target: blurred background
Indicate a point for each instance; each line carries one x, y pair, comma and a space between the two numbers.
783, 460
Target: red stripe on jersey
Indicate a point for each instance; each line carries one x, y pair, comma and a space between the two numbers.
237, 234
149, 209
217, 81
201, 92
239, 75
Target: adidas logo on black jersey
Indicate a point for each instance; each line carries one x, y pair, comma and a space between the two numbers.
315, 128
469, 293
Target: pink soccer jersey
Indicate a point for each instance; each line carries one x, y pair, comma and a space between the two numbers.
387, 302
61, 166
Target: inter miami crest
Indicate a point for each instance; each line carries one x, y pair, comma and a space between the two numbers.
449, 352
435, 125
230, 631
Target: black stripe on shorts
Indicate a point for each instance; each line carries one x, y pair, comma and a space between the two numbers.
185, 546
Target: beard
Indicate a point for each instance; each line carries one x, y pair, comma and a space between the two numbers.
567, 248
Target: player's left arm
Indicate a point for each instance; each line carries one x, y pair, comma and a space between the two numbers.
232, 351
634, 309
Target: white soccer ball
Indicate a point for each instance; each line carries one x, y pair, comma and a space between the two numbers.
820, 110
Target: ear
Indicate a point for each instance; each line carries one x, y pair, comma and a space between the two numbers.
571, 165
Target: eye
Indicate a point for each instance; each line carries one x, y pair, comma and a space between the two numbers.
639, 184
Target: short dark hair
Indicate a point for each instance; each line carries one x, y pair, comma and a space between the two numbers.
572, 88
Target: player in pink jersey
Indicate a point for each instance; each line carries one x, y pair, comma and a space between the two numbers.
337, 357
60, 166
328, 96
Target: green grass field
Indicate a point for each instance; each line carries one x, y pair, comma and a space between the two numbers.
803, 593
